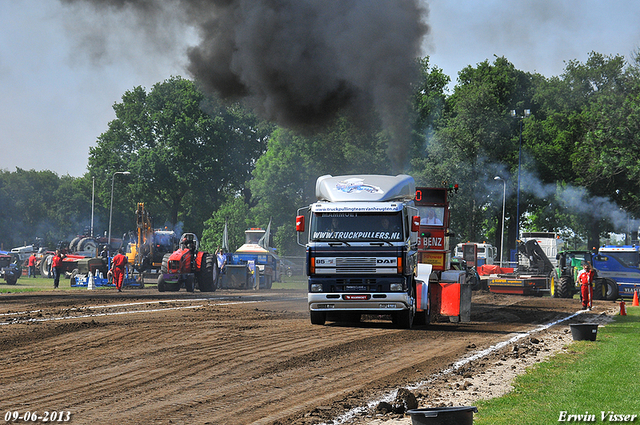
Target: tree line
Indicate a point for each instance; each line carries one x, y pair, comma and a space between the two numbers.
566, 159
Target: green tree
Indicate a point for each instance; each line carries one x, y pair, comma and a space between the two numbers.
475, 140
235, 214
586, 136
186, 152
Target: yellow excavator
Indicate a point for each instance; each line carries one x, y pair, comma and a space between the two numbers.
150, 246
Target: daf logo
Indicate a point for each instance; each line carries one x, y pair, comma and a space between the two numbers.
385, 261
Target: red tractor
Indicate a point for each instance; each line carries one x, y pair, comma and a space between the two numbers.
188, 267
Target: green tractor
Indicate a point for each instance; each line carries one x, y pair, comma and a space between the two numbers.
569, 265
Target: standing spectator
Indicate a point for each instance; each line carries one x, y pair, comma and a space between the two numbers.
118, 264
32, 265
222, 259
585, 277
56, 268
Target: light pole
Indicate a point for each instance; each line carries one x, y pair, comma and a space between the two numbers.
93, 200
504, 193
526, 113
111, 208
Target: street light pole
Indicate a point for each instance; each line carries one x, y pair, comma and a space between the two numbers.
526, 113
93, 200
504, 193
111, 208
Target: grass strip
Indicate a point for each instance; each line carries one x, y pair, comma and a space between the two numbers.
590, 378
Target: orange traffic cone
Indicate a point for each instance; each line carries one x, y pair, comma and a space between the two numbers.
623, 308
635, 299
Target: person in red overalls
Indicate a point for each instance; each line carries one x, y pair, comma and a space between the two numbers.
56, 268
585, 277
118, 264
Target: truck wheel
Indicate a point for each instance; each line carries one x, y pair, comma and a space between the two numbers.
611, 292
161, 287
599, 289
11, 280
563, 287
404, 319
318, 317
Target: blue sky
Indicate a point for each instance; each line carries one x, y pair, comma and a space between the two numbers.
57, 95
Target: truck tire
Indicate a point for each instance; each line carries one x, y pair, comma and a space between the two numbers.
605, 289
318, 317
404, 319
208, 277
563, 287
612, 292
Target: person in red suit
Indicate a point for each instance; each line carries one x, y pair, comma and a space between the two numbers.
32, 265
118, 263
585, 277
56, 267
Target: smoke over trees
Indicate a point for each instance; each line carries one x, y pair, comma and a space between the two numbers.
299, 63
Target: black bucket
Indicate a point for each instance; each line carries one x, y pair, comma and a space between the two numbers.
584, 331
462, 415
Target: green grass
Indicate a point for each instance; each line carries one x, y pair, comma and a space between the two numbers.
28, 284
293, 282
592, 376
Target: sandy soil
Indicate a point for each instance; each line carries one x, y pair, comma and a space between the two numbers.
244, 357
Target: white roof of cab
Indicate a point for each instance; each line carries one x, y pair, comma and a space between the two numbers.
350, 207
365, 188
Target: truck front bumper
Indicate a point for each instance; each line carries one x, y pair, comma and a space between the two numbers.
375, 303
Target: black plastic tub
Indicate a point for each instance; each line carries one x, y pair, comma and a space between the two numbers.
462, 415
584, 331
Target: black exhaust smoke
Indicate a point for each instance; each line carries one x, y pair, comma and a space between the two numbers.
300, 62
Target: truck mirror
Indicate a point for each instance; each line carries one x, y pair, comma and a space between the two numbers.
300, 223
415, 223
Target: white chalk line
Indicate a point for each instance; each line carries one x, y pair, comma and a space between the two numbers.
390, 396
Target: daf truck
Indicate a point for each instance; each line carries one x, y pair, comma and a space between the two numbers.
362, 244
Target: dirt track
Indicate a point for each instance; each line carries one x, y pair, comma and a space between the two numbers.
226, 357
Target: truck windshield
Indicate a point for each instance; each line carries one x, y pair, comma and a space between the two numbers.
356, 226
627, 259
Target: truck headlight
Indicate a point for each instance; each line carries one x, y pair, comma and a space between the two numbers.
396, 287
316, 287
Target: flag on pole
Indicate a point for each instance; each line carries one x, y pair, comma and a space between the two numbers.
225, 239
264, 240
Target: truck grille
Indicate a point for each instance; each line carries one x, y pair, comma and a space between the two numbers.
355, 265
355, 285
